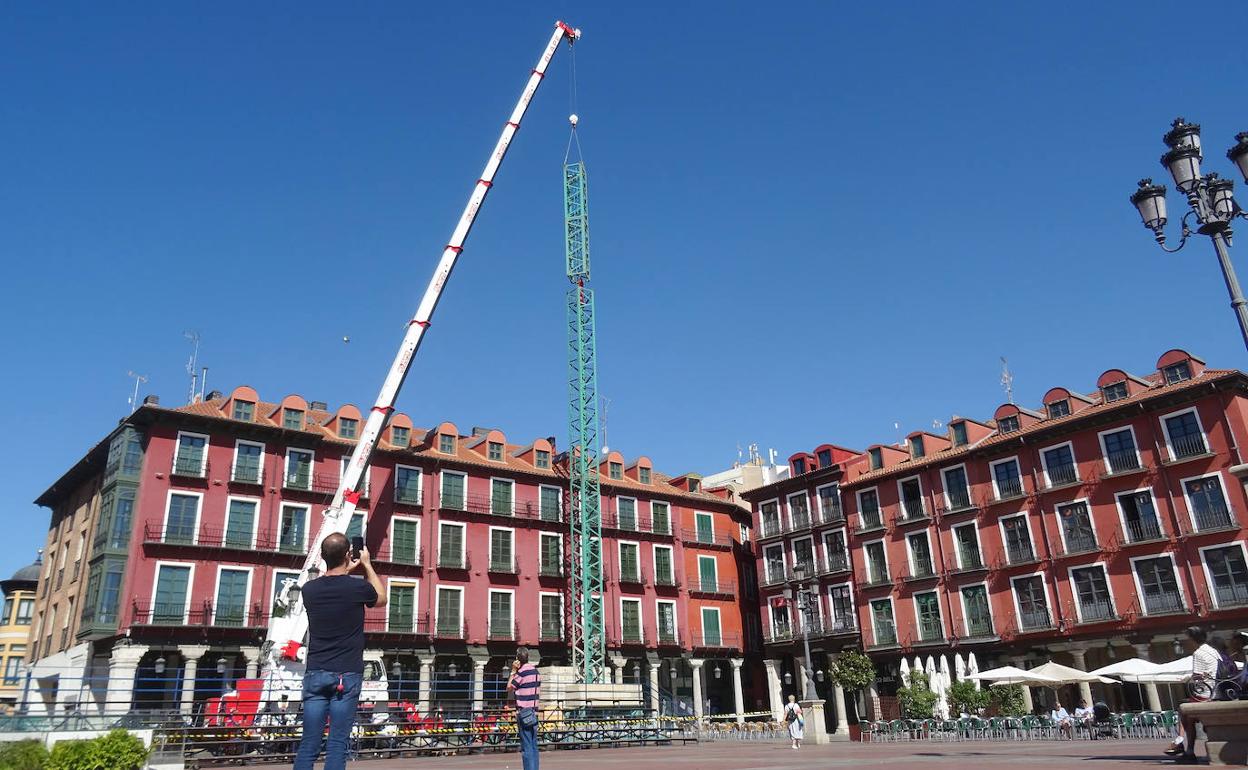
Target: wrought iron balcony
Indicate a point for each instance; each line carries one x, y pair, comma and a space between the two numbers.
247, 473
1163, 603
930, 631
868, 522
704, 539
958, 501
1062, 475
717, 587
920, 571
191, 465
501, 565
448, 560
978, 628
837, 561
1188, 446
503, 632
449, 628
1076, 543
1008, 489
550, 569
1234, 595
1142, 531
799, 520
666, 579
1020, 554
768, 529
667, 638
407, 557
299, 479
1095, 611
1035, 620
1213, 517
884, 636
632, 636
875, 577
830, 510
969, 561
398, 623
1123, 462
719, 641
911, 510
551, 632
407, 494
635, 576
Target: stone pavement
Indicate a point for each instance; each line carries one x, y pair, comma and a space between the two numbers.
744, 755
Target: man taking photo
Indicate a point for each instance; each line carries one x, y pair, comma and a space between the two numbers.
335, 605
525, 685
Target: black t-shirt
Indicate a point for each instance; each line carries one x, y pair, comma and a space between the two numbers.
335, 605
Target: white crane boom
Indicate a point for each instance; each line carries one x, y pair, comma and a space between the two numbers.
281, 656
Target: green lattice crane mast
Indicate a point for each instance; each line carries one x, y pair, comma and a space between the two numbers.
584, 500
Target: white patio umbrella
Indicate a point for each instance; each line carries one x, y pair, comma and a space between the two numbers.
972, 668
1127, 670
942, 690
1058, 675
930, 670
1007, 675
918, 664
959, 667
905, 672
1174, 672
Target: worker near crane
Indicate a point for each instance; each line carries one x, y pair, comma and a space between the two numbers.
335, 605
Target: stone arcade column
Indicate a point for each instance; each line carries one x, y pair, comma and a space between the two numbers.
838, 702
617, 665
425, 686
774, 694
191, 653
1150, 688
252, 657
478, 684
696, 664
122, 666
652, 670
1027, 704
1080, 657
738, 700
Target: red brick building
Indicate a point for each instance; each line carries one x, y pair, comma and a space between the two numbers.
196, 514
1089, 530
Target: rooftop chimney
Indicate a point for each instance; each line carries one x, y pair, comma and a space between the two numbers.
153, 400
321, 405
213, 394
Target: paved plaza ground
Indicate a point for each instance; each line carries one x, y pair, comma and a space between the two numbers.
741, 755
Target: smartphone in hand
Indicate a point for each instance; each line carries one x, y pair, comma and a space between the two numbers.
357, 545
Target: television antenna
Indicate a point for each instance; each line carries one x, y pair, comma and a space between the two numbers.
1007, 380
138, 380
192, 364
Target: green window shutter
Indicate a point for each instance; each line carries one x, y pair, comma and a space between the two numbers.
710, 627
448, 612
453, 491
663, 566
708, 573
662, 518
402, 609
180, 523
240, 521
169, 606
356, 527
551, 497
403, 549
450, 551
628, 561
500, 550
706, 528
628, 513
407, 485
294, 523
552, 617
231, 607
631, 621
500, 497
500, 616
551, 561
667, 622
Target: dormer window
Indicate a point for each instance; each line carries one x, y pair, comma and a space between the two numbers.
1177, 372
400, 436
1114, 392
1008, 424
959, 434
1059, 408
799, 466
244, 410
446, 443
694, 485
825, 458
292, 419
496, 451
541, 459
347, 427
877, 458
643, 475
615, 470
916, 447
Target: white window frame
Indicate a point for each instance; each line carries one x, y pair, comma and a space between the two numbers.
658, 619
420, 484
784, 558
901, 500
1074, 460
823, 545
541, 539
1165, 430
234, 463
414, 584
390, 536
780, 528
558, 500
274, 583
1122, 514
866, 560
879, 507
511, 532
719, 618
1204, 564
709, 515
463, 541
788, 507
1139, 588
619, 556
819, 497
437, 612
667, 505
992, 475
914, 600
489, 610
853, 600
190, 587
1018, 607
671, 560
344, 461
255, 519
910, 551
944, 485
1031, 538
1100, 440
892, 611
979, 543
636, 513
562, 617
216, 591
505, 480
966, 618
447, 471
1187, 500
814, 550
771, 617
715, 561
311, 468
1074, 590
307, 522
641, 620
1061, 531
203, 460
199, 517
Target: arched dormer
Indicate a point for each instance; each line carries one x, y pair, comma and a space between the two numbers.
612, 466
641, 471
345, 423
539, 454
1060, 402
489, 444
443, 439
291, 413
242, 404
399, 431
802, 462
1011, 418
1178, 365
884, 455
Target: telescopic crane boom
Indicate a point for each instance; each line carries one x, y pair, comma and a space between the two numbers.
282, 656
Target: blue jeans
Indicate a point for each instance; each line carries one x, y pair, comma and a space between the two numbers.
528, 746
322, 701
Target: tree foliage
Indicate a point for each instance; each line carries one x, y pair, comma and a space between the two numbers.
915, 699
23, 755
1009, 701
118, 750
853, 671
965, 697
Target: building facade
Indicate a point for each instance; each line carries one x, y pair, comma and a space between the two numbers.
15, 627
1090, 530
189, 519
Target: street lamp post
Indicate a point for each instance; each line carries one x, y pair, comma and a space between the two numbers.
805, 603
1209, 199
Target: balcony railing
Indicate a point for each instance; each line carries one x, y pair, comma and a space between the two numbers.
299, 479
503, 632
707, 539
875, 577
408, 494
1096, 611
247, 473
193, 465
772, 528
1009, 489
1163, 603
399, 623
632, 636
843, 624
483, 505
1142, 531
1235, 595
971, 561
838, 561
884, 636
666, 579
912, 510
667, 638
551, 632
448, 560
635, 576
958, 500
411, 558
976, 628
1063, 474
830, 510
637, 522
1076, 543
1035, 620
921, 571
195, 614
1020, 554
500, 565
449, 628
931, 631
1188, 446
550, 569
800, 520
719, 641
868, 522
1211, 518
1123, 462
717, 587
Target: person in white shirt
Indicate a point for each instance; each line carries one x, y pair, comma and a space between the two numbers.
1205, 661
1083, 714
1061, 718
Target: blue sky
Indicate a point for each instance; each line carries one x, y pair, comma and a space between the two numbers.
808, 220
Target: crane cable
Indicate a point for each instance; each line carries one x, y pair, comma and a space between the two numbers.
573, 117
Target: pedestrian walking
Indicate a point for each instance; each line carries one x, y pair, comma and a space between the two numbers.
335, 605
796, 721
525, 685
